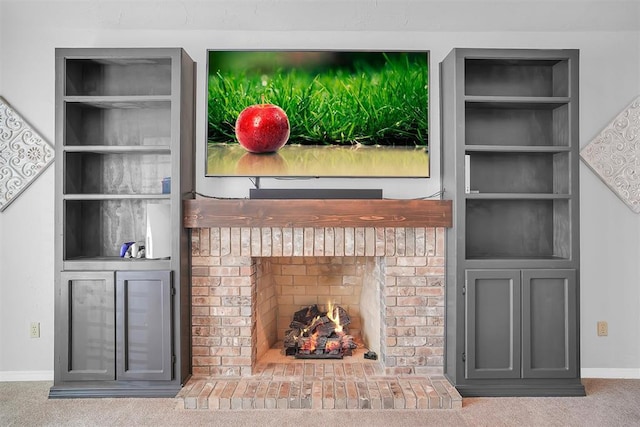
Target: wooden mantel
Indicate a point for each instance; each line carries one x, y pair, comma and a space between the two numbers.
205, 213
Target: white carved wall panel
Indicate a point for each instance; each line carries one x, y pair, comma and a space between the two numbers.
614, 155
24, 154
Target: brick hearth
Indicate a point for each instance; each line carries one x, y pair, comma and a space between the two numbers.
359, 384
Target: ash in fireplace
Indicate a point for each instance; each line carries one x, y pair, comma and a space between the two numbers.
316, 334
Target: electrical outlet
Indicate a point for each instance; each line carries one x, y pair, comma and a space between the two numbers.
35, 329
603, 328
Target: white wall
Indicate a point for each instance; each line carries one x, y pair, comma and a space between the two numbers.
606, 32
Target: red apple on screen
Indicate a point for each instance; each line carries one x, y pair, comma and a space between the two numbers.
262, 128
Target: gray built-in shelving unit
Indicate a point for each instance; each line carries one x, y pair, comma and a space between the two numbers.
510, 166
124, 122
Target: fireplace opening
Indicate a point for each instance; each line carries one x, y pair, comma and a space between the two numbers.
318, 334
318, 307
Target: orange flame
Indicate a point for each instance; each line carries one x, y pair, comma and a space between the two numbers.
334, 315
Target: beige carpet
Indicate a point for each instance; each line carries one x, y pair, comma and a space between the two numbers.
608, 403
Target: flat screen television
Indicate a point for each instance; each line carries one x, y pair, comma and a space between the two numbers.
341, 113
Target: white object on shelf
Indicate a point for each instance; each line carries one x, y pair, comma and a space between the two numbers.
158, 240
467, 173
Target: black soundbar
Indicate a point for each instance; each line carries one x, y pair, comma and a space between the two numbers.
314, 193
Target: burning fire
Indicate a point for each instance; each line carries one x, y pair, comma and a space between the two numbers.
319, 334
310, 343
335, 318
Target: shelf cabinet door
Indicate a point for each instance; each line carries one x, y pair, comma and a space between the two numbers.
549, 337
87, 326
493, 324
143, 325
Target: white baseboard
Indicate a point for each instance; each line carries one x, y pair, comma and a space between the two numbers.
631, 373
9, 376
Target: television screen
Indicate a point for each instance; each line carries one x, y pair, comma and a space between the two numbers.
318, 113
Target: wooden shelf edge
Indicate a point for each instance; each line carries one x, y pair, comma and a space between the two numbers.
206, 213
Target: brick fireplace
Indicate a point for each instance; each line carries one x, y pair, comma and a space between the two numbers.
248, 281
256, 262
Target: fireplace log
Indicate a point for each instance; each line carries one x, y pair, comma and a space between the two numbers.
291, 338
326, 329
344, 317
319, 321
348, 342
321, 344
303, 318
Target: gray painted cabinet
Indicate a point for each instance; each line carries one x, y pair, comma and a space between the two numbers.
124, 128
143, 325
549, 324
520, 324
493, 324
87, 326
116, 329
509, 127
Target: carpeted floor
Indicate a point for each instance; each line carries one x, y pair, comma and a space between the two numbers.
608, 403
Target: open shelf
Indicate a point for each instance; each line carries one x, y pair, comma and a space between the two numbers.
118, 76
506, 172
517, 137
545, 125
516, 77
115, 173
148, 124
97, 228
520, 228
